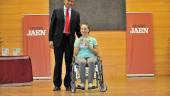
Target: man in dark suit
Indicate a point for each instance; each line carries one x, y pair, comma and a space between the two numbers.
65, 22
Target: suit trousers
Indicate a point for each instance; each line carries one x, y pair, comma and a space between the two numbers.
67, 50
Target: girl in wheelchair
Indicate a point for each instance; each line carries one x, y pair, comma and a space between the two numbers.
85, 52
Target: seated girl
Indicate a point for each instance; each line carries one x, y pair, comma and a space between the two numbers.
85, 51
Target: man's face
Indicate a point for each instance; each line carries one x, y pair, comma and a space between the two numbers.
68, 3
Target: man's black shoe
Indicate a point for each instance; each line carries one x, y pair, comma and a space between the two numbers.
80, 87
56, 89
68, 88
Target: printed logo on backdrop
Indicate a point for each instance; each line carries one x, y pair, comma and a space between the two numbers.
37, 31
139, 29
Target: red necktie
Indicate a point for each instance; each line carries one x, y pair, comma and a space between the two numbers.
67, 22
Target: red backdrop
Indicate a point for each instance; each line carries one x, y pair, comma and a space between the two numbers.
139, 37
36, 43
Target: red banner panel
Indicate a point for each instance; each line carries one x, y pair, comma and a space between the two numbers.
139, 38
36, 43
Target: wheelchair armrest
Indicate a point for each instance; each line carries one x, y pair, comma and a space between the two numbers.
73, 58
99, 58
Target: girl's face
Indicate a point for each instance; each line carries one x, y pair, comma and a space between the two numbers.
84, 30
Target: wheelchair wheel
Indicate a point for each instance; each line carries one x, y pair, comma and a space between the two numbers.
73, 79
73, 87
103, 87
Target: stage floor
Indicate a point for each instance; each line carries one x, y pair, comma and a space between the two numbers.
119, 86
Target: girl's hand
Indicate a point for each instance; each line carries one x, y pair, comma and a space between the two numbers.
80, 42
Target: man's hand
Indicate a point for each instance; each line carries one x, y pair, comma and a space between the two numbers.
51, 44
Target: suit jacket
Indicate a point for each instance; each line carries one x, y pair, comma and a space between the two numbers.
57, 26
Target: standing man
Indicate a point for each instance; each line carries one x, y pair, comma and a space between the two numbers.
65, 22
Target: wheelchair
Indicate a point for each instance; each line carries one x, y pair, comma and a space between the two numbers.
98, 75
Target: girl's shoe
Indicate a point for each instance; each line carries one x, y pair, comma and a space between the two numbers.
81, 86
90, 86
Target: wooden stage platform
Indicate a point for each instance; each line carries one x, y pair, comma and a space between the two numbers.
119, 86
